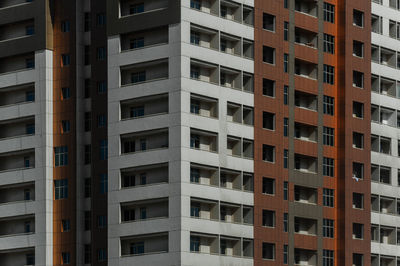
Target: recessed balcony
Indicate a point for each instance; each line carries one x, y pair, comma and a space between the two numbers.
144, 210
17, 127
17, 63
144, 244
144, 106
144, 141
17, 94
144, 175
144, 72
17, 160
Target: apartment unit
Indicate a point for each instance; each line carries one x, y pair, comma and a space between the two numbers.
385, 208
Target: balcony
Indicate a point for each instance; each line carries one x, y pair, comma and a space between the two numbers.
203, 106
203, 71
305, 100
386, 116
144, 210
387, 205
305, 132
306, 37
204, 37
144, 175
230, 246
388, 87
230, 78
10, 3
240, 114
136, 7
308, 7
388, 57
304, 163
240, 147
144, 141
305, 226
207, 6
17, 225
305, 69
305, 195
388, 235
17, 30
17, 127
17, 63
203, 140
230, 179
14, 257
144, 106
381, 174
17, 160
204, 243
387, 261
230, 44
143, 39
231, 10
205, 175
248, 49
230, 213
144, 244
17, 94
204, 209
305, 257
144, 72
17, 193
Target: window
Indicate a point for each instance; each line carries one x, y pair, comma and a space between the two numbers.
129, 181
329, 105
27, 162
195, 38
65, 26
103, 149
88, 254
328, 259
101, 120
61, 155
285, 126
66, 59
194, 244
268, 22
88, 220
101, 53
65, 93
65, 257
136, 9
102, 221
101, 254
103, 183
66, 225
358, 79
30, 63
329, 12
268, 121
194, 175
358, 201
268, 55
129, 215
194, 73
328, 167
358, 18
285, 158
88, 121
143, 144
268, 186
101, 87
29, 30
329, 74
196, 4
30, 96
329, 44
138, 77
358, 259
329, 136
328, 197
61, 189
285, 222
328, 228
285, 63
195, 210
285, 254
86, 23
30, 129
30, 259
358, 110
136, 43
88, 187
269, 87
268, 153
358, 171
224, 11
285, 190
358, 49
194, 141
358, 231
27, 194
358, 140
87, 88
27, 226
129, 146
137, 248
195, 107
286, 30
285, 95
66, 126
137, 111
87, 55
268, 251
101, 19
88, 154
268, 218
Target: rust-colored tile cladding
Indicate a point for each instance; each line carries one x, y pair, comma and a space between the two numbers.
344, 215
64, 76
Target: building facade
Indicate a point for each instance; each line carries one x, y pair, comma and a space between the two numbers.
198, 132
